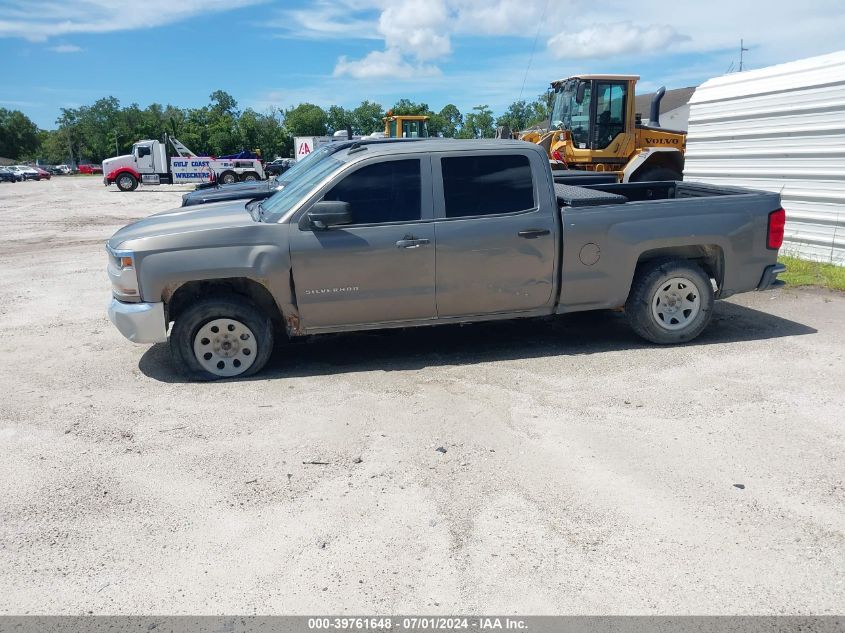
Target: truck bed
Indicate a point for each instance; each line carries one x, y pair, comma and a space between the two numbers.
609, 228
590, 195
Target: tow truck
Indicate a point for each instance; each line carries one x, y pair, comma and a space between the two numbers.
148, 164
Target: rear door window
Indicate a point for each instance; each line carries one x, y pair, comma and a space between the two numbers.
487, 185
388, 191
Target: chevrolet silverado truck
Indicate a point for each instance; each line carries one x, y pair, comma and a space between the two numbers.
430, 232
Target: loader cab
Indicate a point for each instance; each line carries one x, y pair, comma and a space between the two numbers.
405, 126
596, 111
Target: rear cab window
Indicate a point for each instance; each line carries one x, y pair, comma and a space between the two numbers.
492, 184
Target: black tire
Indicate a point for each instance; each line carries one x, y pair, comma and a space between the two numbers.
233, 307
656, 174
227, 178
250, 176
667, 322
126, 182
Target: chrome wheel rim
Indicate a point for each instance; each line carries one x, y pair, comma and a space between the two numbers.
249, 178
676, 303
225, 347
228, 179
125, 182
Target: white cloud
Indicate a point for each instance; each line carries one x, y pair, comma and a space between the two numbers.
53, 18
612, 33
607, 40
383, 64
418, 28
66, 48
328, 19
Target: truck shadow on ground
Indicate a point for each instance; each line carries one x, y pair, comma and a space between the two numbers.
416, 348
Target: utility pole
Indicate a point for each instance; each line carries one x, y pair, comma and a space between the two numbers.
742, 50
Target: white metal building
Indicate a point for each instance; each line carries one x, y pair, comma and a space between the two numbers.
780, 128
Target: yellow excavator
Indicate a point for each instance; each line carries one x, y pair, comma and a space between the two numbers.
405, 125
594, 127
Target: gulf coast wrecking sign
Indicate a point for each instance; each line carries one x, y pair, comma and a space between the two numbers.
196, 168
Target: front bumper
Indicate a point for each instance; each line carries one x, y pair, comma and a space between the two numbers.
770, 279
139, 322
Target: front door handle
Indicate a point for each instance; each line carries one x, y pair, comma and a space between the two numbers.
412, 242
530, 234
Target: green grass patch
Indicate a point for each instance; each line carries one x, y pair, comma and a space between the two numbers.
801, 272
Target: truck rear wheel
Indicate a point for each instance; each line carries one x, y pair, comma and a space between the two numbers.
249, 176
671, 301
126, 182
221, 337
227, 178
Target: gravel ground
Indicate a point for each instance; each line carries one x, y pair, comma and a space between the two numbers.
542, 467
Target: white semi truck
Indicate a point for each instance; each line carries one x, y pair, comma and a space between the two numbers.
148, 164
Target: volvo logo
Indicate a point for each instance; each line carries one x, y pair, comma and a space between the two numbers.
662, 141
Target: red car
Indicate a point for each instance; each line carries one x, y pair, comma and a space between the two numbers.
90, 169
42, 174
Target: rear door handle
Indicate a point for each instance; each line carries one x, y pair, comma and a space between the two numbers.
531, 234
412, 242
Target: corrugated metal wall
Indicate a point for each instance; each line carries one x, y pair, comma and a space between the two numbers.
780, 128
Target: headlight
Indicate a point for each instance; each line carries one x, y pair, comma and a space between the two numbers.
124, 279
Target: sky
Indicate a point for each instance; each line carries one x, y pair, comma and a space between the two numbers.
278, 53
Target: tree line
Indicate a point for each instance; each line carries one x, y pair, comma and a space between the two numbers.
105, 128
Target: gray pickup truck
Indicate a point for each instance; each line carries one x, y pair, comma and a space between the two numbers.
437, 231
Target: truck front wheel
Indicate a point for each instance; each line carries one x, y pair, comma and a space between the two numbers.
221, 337
671, 301
126, 182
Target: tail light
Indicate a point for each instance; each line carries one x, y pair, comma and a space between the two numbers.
777, 222
556, 155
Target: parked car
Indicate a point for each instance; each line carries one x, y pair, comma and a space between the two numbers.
19, 176
7, 175
90, 169
216, 192
43, 174
27, 172
61, 170
278, 166
351, 244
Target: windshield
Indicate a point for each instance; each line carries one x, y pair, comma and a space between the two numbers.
277, 205
302, 165
568, 114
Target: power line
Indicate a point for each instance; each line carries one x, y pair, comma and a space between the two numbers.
533, 48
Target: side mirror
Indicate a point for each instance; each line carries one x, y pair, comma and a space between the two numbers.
328, 213
579, 92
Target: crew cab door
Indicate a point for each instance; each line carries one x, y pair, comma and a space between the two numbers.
379, 268
496, 242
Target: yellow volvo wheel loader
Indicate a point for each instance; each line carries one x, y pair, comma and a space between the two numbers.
594, 127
